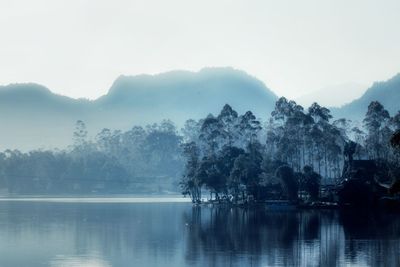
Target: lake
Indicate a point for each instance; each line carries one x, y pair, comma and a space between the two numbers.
171, 232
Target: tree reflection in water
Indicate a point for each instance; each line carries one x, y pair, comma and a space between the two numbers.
256, 237
176, 234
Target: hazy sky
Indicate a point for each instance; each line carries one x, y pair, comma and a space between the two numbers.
78, 48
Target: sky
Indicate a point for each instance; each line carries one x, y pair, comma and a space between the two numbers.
79, 47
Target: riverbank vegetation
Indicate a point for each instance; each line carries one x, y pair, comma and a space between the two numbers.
236, 159
140, 160
224, 157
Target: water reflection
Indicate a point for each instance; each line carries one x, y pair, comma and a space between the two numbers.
177, 234
257, 237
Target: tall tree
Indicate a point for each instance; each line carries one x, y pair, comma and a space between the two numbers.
248, 128
375, 121
212, 135
191, 182
80, 134
228, 118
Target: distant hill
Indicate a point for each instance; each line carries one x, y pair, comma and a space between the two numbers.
180, 95
387, 93
333, 96
31, 116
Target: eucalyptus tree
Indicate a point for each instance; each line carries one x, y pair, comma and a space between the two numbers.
376, 123
191, 183
212, 135
322, 134
229, 120
110, 142
132, 154
300, 138
284, 109
344, 126
245, 176
316, 146
211, 174
359, 136
226, 142
272, 138
255, 152
80, 135
162, 149
227, 158
191, 130
285, 134
248, 127
335, 140
297, 128
319, 113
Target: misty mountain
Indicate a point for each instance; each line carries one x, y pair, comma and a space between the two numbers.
33, 117
386, 92
333, 96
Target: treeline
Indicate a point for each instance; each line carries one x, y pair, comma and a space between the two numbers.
139, 160
233, 157
230, 155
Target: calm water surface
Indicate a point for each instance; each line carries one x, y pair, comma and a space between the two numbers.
128, 232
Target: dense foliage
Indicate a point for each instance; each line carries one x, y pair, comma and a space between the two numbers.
139, 160
231, 156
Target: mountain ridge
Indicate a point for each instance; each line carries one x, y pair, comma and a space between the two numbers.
386, 92
35, 117
45, 119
